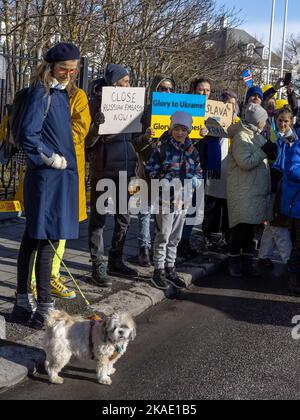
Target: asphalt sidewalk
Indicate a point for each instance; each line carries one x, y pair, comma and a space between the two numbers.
21, 349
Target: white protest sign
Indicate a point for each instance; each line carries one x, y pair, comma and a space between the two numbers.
123, 109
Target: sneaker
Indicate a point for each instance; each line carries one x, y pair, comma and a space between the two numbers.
120, 269
99, 275
159, 280
266, 262
59, 290
173, 278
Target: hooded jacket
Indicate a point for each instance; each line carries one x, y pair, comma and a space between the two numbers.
108, 154
248, 178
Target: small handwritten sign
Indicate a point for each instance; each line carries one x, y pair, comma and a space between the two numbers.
219, 117
123, 109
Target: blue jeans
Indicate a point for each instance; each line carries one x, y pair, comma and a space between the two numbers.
144, 235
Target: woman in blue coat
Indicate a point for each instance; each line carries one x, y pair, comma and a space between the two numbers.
51, 180
290, 206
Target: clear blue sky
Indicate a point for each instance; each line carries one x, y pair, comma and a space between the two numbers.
257, 15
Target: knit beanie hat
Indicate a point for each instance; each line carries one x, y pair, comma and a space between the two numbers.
64, 51
114, 73
254, 90
255, 115
182, 118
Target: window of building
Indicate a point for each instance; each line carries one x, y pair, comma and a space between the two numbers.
266, 53
250, 50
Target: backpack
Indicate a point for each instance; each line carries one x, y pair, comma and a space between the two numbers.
15, 111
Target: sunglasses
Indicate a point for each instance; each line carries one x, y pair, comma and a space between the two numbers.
67, 71
166, 89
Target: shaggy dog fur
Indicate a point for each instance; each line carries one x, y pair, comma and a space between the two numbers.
104, 341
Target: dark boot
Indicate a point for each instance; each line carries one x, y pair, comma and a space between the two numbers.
174, 278
234, 266
99, 275
39, 319
24, 308
185, 251
248, 267
144, 257
119, 268
294, 283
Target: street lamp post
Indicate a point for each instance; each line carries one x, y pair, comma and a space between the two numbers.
271, 40
284, 40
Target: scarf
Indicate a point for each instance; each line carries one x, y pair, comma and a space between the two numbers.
284, 144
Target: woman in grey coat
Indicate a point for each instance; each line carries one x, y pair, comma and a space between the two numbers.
248, 188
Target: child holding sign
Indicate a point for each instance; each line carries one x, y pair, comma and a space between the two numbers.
177, 159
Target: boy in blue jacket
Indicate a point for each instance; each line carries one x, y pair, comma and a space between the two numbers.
177, 160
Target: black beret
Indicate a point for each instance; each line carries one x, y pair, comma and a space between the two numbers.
63, 51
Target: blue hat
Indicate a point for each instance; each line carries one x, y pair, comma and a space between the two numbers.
64, 51
254, 90
114, 73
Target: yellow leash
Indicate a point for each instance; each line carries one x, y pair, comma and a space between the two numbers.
71, 276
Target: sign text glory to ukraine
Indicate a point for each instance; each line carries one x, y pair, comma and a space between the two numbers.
123, 109
164, 105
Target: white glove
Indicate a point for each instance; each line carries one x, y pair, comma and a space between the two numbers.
55, 161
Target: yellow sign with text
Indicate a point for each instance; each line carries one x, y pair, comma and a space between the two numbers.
161, 123
10, 206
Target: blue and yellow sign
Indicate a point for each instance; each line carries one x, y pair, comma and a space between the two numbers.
164, 105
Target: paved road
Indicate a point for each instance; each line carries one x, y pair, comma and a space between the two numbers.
224, 340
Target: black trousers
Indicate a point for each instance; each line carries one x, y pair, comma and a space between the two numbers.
294, 262
43, 267
97, 225
241, 239
215, 216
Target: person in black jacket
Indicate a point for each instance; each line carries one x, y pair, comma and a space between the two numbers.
108, 155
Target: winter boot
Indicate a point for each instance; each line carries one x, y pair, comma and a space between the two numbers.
173, 278
99, 275
248, 267
294, 283
144, 257
185, 251
234, 266
24, 308
39, 319
118, 268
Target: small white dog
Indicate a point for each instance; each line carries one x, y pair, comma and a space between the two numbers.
102, 341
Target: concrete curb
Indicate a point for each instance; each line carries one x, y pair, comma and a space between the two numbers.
2, 328
23, 358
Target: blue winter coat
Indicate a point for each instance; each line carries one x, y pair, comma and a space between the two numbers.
290, 201
50, 195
